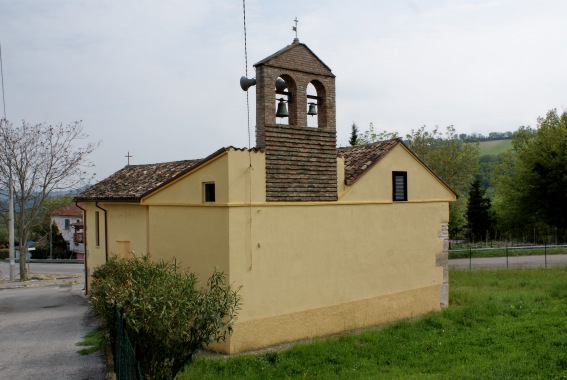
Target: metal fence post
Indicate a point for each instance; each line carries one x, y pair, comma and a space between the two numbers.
506, 255
470, 257
545, 253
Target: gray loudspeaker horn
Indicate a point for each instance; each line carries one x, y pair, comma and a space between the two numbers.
246, 83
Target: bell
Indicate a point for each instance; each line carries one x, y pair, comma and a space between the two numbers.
282, 109
312, 109
280, 84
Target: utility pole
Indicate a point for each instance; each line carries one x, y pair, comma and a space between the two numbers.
11, 190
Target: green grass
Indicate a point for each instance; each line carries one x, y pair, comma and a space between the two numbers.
93, 342
503, 324
494, 147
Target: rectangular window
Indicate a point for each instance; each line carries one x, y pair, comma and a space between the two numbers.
209, 192
400, 186
97, 229
67, 224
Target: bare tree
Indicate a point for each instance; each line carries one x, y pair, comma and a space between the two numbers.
40, 159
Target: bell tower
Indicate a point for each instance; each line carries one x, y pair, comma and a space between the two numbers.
301, 159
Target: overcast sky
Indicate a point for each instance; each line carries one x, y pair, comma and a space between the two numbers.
160, 79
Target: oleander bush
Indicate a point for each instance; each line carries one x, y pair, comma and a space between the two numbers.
168, 315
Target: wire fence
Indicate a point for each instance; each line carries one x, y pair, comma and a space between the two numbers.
508, 255
126, 364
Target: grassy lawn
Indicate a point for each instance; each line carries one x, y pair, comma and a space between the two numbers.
502, 324
494, 147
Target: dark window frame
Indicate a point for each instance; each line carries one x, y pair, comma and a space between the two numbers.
209, 192
97, 228
396, 196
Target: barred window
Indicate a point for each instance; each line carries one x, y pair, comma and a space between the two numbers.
400, 186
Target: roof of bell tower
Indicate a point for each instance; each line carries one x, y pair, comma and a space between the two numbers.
299, 57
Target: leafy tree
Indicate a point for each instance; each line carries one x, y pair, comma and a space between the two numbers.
167, 315
353, 135
455, 161
370, 136
40, 159
479, 215
531, 188
487, 164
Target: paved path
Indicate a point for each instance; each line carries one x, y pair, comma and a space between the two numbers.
40, 323
513, 262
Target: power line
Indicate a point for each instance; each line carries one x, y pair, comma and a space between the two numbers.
2, 75
246, 70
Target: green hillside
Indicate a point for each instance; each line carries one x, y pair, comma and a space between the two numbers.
494, 147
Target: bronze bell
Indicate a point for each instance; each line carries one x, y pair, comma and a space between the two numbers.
282, 109
312, 109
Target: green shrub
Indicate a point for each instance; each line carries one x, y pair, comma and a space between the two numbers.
167, 315
4, 253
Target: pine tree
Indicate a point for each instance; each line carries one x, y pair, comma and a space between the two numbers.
478, 211
353, 135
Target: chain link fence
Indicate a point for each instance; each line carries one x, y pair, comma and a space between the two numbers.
126, 365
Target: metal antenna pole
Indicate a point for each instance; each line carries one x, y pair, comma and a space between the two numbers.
10, 186
11, 229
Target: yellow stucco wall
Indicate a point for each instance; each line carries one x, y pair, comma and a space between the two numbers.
126, 227
310, 257
95, 254
197, 237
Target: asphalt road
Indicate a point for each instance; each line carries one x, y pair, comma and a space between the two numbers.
39, 327
70, 269
511, 262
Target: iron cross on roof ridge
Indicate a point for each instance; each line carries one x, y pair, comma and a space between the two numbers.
294, 28
128, 156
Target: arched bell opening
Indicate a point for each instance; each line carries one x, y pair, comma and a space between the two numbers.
285, 104
312, 106
316, 108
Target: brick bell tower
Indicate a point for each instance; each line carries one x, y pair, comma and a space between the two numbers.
301, 160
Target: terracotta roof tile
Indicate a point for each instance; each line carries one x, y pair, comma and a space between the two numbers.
133, 182
360, 158
68, 210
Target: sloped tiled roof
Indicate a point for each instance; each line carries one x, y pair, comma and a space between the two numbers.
360, 158
68, 210
133, 182
295, 44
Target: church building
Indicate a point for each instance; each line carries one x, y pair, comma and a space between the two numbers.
321, 239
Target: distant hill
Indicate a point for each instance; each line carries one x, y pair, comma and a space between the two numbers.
494, 147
